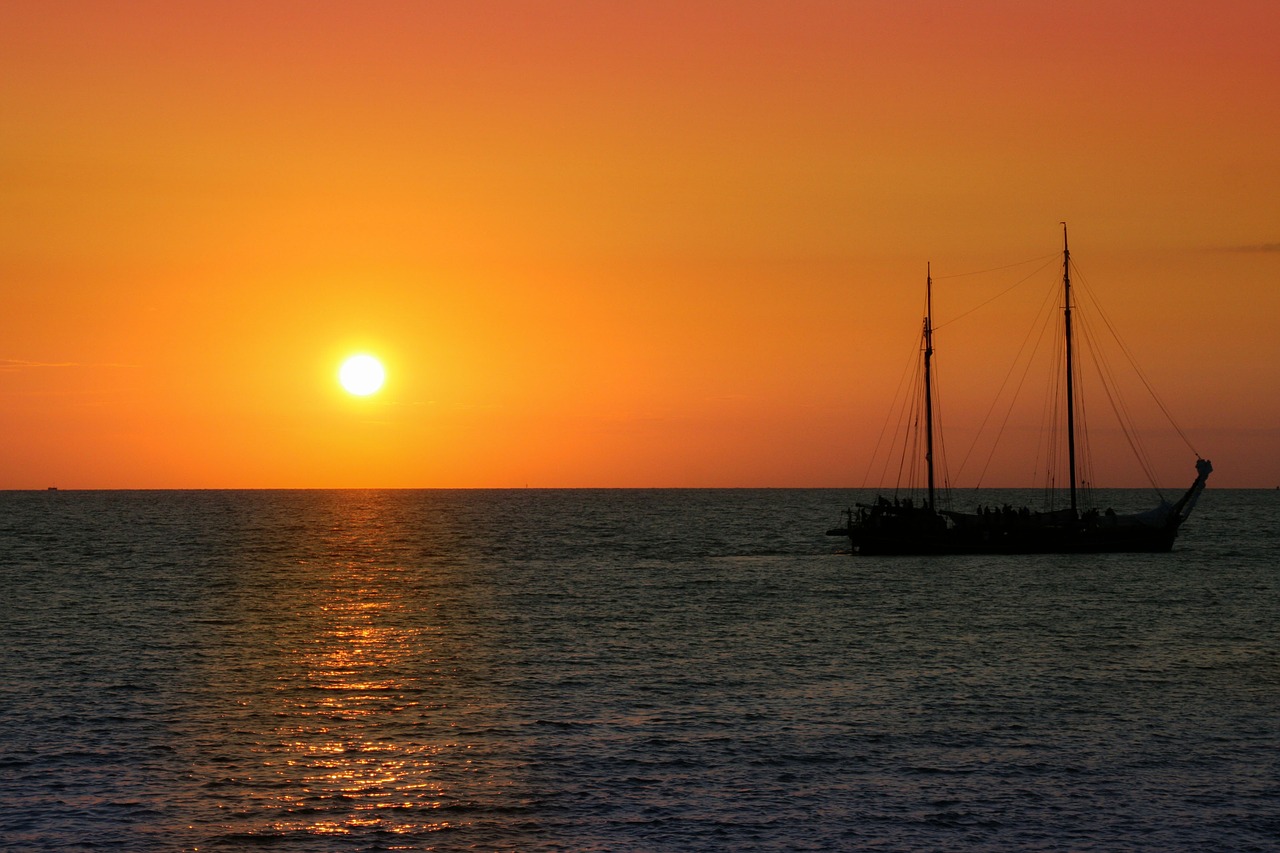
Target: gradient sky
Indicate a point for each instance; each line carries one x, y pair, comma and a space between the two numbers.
608, 244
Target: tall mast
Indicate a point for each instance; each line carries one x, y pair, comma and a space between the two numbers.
928, 390
1071, 406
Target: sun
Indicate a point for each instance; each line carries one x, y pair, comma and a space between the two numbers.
361, 375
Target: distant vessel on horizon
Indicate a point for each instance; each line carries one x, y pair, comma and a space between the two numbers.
901, 526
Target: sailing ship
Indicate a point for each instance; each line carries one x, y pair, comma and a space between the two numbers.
906, 527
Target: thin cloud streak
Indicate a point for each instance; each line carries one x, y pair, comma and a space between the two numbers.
15, 364
1257, 248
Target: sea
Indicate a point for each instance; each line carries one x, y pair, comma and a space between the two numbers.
621, 670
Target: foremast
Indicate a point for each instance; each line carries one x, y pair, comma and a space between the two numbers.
928, 387
1071, 401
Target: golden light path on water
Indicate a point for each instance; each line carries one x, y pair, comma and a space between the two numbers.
330, 753
363, 733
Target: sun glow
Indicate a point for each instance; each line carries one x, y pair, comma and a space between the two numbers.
361, 375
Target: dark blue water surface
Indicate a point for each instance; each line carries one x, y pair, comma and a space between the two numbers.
620, 671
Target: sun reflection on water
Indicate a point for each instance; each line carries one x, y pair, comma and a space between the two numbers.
353, 748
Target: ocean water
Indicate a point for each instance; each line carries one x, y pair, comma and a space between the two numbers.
621, 671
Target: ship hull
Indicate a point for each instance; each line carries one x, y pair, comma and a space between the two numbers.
1066, 541
885, 529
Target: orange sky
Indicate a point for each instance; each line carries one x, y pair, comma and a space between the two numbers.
606, 244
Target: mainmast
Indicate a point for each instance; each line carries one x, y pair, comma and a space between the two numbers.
928, 390
1071, 406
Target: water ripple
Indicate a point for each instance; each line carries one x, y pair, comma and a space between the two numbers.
619, 671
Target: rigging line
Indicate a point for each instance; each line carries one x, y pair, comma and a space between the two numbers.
1051, 418
1011, 287
884, 427
998, 269
1097, 307
940, 446
1124, 417
1127, 430
911, 440
1003, 384
1084, 448
905, 409
1024, 352
1047, 323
